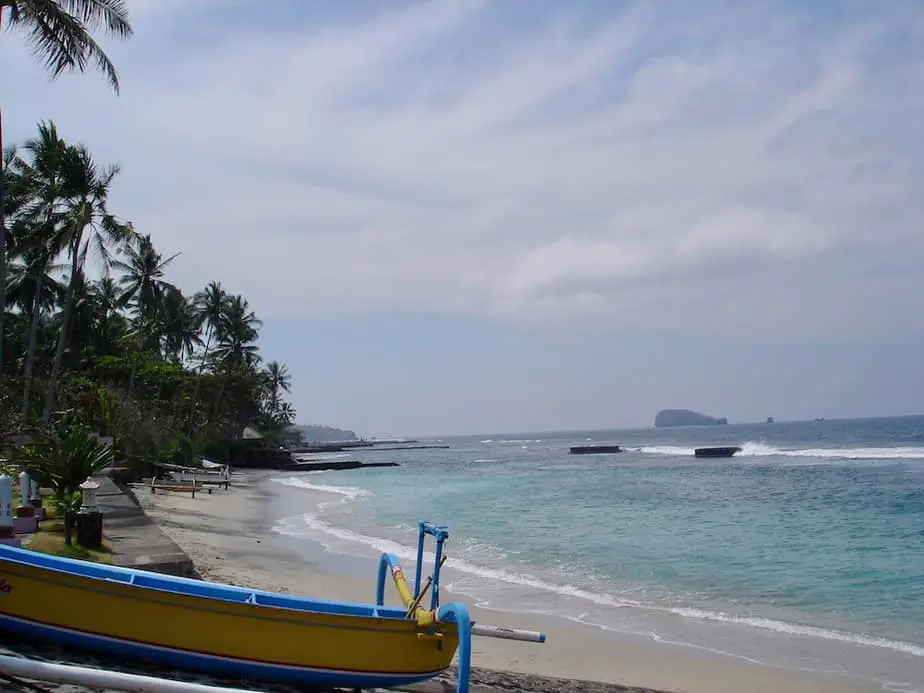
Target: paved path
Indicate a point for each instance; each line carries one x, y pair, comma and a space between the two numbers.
137, 542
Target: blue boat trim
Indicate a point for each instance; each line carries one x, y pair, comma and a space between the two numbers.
194, 588
227, 667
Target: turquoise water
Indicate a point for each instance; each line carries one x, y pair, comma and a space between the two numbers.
807, 544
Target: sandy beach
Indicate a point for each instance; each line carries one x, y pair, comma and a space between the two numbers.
228, 535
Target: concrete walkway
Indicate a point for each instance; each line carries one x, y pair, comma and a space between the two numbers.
137, 542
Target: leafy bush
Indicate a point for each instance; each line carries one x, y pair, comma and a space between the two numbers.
62, 461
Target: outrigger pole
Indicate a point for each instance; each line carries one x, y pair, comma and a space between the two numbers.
35, 670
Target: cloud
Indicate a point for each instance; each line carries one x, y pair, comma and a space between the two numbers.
652, 166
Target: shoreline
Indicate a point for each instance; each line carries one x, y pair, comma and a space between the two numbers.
229, 537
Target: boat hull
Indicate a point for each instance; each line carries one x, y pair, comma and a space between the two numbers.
218, 629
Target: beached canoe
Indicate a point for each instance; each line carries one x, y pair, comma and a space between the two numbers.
232, 631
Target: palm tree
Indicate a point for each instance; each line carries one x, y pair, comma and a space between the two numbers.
59, 33
142, 281
180, 325
109, 295
284, 415
237, 334
29, 282
132, 341
211, 303
236, 351
41, 183
111, 323
86, 318
6, 158
38, 263
9, 206
87, 221
276, 376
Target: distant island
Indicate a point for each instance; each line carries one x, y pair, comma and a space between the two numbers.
685, 417
311, 433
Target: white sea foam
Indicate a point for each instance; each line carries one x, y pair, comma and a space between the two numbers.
510, 441
802, 630
673, 450
311, 526
342, 494
759, 449
308, 456
314, 524
350, 492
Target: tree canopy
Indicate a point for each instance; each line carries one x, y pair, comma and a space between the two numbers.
97, 335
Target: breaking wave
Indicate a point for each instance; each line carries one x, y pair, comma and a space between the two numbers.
758, 449
312, 527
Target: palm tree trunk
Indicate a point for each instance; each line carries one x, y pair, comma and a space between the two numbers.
221, 394
2, 241
68, 528
62, 337
205, 356
30, 353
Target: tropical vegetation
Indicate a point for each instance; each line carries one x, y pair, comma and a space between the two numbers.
95, 332
110, 346
59, 32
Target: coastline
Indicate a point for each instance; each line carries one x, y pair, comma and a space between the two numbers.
229, 537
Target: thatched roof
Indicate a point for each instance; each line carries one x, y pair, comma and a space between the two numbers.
251, 434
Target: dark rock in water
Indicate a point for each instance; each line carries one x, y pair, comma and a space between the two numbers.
727, 451
319, 465
330, 446
685, 417
594, 449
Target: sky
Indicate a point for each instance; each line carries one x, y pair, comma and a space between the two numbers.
485, 216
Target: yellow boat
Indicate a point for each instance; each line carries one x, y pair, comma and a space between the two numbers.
237, 632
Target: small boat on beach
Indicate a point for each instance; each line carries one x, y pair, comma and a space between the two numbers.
232, 631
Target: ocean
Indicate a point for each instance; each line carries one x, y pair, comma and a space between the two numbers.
805, 551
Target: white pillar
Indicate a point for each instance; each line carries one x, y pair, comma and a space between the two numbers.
25, 490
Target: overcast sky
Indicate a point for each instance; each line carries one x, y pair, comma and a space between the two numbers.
503, 216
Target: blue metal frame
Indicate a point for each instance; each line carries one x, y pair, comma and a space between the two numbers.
440, 533
455, 612
387, 563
